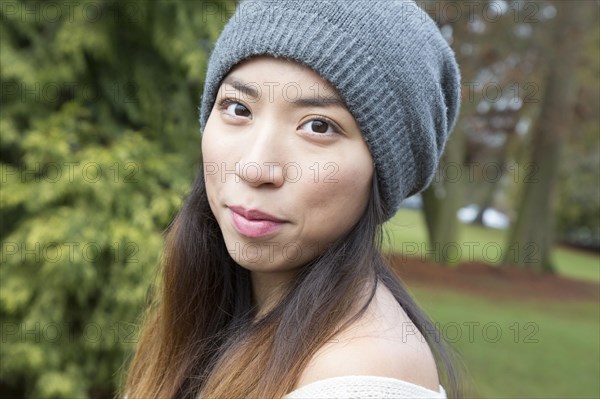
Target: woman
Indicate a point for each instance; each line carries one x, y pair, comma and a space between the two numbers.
317, 119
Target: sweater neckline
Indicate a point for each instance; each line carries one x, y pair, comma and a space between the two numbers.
370, 378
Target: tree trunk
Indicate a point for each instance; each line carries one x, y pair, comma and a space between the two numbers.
531, 237
492, 183
442, 200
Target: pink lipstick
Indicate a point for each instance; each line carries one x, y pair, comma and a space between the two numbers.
254, 223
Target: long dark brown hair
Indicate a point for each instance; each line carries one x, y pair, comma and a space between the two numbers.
199, 334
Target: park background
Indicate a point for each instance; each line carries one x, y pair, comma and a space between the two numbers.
100, 142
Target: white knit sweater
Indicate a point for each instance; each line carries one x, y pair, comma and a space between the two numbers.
364, 387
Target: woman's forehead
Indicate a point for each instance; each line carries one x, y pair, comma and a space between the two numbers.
266, 68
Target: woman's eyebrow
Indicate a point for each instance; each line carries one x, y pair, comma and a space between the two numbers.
307, 102
241, 86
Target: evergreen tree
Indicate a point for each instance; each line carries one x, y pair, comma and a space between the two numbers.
100, 142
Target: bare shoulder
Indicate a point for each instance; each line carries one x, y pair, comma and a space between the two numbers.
385, 342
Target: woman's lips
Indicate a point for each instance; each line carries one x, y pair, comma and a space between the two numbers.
254, 214
253, 228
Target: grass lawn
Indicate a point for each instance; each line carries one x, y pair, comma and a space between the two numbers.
512, 348
521, 349
408, 235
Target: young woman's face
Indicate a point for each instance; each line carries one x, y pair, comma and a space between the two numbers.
268, 146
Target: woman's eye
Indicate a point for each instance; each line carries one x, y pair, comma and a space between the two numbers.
318, 126
235, 108
321, 127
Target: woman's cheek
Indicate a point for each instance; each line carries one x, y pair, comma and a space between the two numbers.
332, 208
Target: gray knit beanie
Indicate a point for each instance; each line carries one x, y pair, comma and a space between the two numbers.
386, 58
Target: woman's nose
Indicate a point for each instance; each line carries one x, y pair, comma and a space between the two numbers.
262, 160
